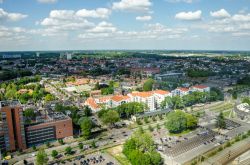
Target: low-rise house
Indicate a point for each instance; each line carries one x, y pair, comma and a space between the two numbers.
200, 88
180, 92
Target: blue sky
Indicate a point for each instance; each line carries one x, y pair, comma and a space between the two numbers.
124, 24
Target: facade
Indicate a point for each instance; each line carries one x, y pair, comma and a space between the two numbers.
151, 99
200, 88
15, 135
12, 125
180, 92
48, 131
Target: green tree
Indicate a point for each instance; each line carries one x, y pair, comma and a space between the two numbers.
148, 85
177, 102
86, 126
140, 149
167, 102
178, 121
220, 121
49, 97
41, 157
110, 117
87, 111
54, 154
68, 150
80, 145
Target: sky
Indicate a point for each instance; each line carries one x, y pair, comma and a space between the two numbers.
124, 24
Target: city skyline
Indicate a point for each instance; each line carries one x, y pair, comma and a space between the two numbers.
124, 24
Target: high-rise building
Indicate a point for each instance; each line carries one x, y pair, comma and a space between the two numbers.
12, 134
16, 135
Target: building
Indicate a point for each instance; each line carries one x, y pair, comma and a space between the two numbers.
69, 56
16, 134
13, 131
55, 126
200, 88
151, 99
180, 92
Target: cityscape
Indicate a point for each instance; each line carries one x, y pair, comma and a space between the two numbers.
124, 82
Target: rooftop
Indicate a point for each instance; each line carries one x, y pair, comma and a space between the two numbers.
11, 103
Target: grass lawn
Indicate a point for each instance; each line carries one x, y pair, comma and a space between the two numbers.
182, 133
116, 152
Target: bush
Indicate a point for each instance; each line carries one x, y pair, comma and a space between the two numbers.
228, 144
60, 141
80, 145
68, 150
150, 128
138, 121
146, 120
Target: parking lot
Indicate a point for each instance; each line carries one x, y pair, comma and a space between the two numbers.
92, 159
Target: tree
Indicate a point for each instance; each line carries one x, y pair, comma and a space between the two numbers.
220, 122
167, 102
68, 150
49, 97
41, 157
107, 91
110, 117
29, 113
54, 154
178, 121
148, 85
80, 145
177, 102
140, 149
87, 111
86, 126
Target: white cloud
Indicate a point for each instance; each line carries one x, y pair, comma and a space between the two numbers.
132, 5
222, 13
144, 18
12, 33
189, 16
47, 1
62, 14
98, 13
74, 20
103, 27
241, 17
5, 16
176, 1
152, 31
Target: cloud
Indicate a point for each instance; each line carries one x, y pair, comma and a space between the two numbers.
98, 13
152, 31
176, 1
70, 19
5, 16
132, 5
189, 16
144, 18
47, 1
241, 17
222, 13
16, 34
103, 27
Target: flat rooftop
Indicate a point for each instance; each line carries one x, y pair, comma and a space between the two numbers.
11, 103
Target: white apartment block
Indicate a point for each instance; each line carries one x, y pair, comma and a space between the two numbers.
151, 99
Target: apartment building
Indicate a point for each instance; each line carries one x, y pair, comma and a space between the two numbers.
12, 126
16, 135
151, 99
